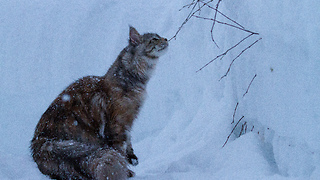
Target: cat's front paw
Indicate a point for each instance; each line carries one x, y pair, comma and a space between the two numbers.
133, 159
131, 173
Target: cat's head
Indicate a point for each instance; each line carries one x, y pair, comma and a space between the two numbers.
151, 44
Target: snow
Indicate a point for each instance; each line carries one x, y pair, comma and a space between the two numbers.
186, 119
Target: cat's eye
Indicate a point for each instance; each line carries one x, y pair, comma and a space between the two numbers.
155, 39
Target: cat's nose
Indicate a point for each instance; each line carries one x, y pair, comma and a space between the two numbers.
165, 39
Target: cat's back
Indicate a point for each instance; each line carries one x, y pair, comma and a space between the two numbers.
71, 110
80, 93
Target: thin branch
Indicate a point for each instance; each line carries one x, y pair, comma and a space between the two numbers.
215, 14
192, 12
214, 22
185, 21
225, 53
239, 56
188, 5
250, 85
225, 15
199, 8
231, 25
234, 112
243, 129
232, 131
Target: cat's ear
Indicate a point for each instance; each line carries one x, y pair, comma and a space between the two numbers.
135, 37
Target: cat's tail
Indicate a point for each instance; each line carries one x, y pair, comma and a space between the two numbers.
56, 158
70, 159
107, 164
61, 148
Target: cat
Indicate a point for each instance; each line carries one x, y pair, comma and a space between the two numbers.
85, 132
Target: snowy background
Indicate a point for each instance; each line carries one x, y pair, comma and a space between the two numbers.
186, 119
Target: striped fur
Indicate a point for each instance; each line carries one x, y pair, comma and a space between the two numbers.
85, 132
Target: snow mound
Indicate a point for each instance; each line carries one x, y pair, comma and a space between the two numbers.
187, 117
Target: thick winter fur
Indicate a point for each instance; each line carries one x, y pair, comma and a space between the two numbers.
85, 132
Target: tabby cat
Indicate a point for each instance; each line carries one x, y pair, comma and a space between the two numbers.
85, 132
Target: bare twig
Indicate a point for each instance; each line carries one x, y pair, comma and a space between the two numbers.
188, 5
185, 21
243, 129
231, 25
190, 15
194, 10
239, 56
225, 53
232, 131
244, 126
225, 16
214, 22
199, 7
234, 112
249, 85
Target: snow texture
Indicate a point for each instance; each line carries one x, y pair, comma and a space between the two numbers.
186, 119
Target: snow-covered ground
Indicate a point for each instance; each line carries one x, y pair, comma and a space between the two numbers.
186, 119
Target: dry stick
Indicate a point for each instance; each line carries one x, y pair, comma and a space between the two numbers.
234, 112
184, 22
250, 85
207, 4
225, 53
225, 16
188, 5
189, 17
239, 56
232, 131
193, 2
199, 7
243, 129
214, 22
192, 12
235, 109
231, 25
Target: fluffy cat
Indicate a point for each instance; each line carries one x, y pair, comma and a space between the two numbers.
85, 132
